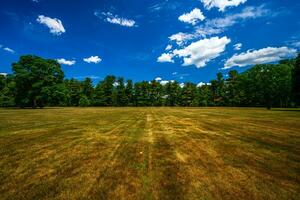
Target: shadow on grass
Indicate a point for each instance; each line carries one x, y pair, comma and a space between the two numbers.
286, 110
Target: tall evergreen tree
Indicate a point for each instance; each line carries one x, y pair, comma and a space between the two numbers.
121, 98
172, 94
129, 92
87, 88
74, 91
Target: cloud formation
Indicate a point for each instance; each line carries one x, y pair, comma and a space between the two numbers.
238, 46
93, 59
115, 19
55, 25
166, 57
201, 52
221, 4
193, 17
9, 50
63, 61
169, 47
219, 25
265, 55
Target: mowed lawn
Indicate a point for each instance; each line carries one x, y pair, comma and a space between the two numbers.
149, 153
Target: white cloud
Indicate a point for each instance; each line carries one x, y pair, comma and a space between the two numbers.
296, 44
169, 47
115, 19
63, 61
164, 82
202, 84
9, 50
3, 74
158, 79
221, 4
238, 46
93, 59
55, 25
181, 85
180, 38
265, 55
166, 57
193, 17
200, 52
219, 25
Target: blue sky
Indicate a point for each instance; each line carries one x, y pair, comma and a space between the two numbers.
182, 40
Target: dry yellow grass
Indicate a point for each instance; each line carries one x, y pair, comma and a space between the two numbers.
149, 153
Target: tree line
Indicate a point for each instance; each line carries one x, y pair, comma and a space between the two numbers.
37, 82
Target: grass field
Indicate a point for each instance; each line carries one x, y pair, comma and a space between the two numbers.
149, 153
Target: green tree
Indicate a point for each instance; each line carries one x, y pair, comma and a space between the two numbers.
73, 92
204, 95
34, 77
189, 94
84, 101
121, 98
142, 94
232, 95
87, 88
104, 92
7, 91
155, 93
172, 93
296, 81
129, 92
217, 89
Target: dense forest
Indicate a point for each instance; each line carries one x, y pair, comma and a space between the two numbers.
37, 82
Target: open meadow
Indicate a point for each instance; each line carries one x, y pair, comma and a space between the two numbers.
149, 153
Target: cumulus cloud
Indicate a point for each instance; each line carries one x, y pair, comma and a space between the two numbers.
63, 61
201, 52
93, 59
3, 74
265, 55
55, 25
193, 17
238, 46
166, 57
9, 50
221, 4
115, 19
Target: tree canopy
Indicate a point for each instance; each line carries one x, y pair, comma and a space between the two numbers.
38, 82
